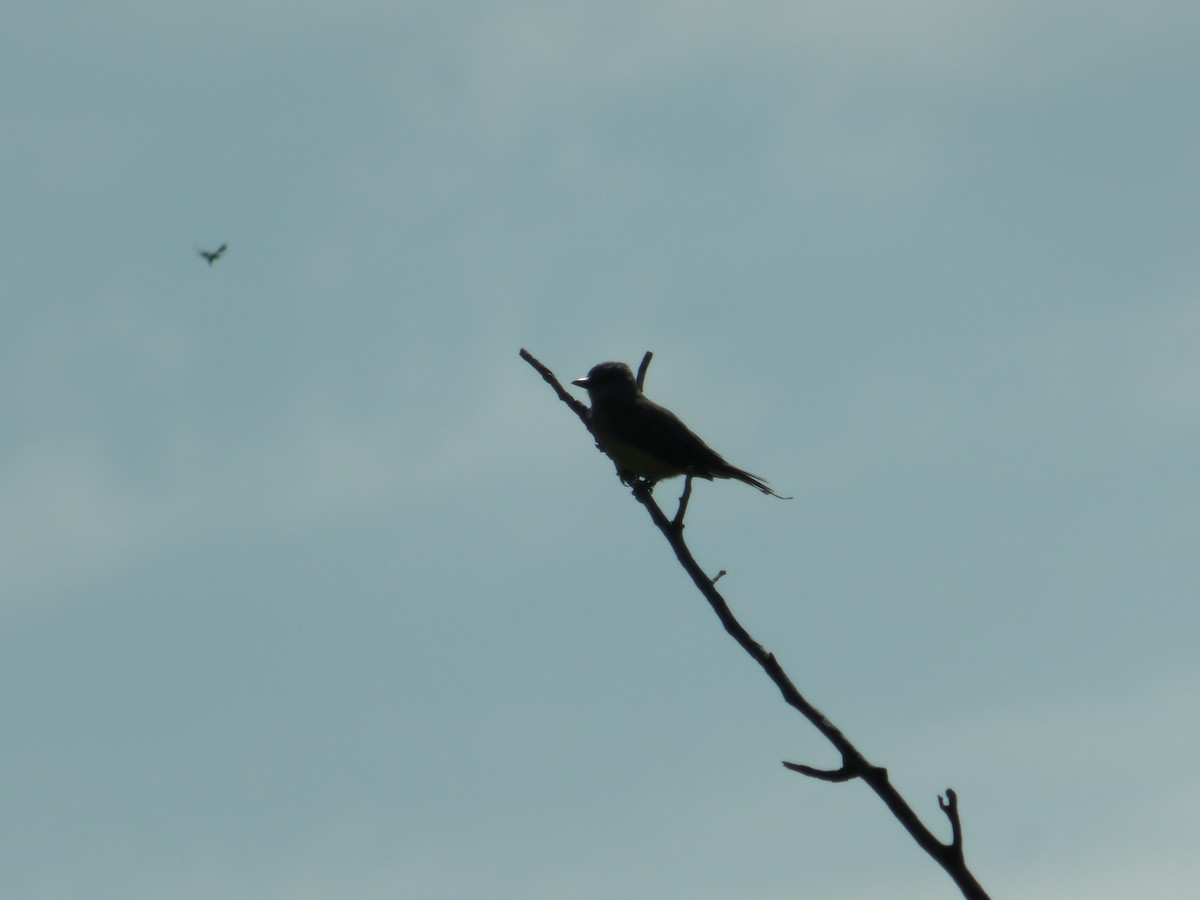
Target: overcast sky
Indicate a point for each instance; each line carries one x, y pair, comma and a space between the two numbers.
309, 586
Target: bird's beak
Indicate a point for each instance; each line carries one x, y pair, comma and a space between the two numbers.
581, 382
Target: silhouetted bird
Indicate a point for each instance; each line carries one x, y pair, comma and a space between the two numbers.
648, 440
213, 255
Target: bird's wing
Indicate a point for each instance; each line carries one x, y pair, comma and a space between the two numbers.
659, 432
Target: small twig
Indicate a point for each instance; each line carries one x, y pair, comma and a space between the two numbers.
719, 576
950, 807
677, 522
845, 773
641, 375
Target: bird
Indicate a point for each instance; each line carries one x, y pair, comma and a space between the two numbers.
213, 255
646, 440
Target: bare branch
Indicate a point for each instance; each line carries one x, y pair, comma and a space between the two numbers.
854, 764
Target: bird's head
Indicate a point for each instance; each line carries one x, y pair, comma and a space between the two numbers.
609, 381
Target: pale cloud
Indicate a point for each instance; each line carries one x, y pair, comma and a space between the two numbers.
432, 185
1129, 372
1115, 765
524, 57
1105, 877
70, 512
1093, 387
1164, 368
62, 352
61, 516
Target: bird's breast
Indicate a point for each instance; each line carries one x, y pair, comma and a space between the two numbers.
632, 456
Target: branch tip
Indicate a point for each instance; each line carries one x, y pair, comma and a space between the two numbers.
949, 805
641, 375
845, 773
576, 406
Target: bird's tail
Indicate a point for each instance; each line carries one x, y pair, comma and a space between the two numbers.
752, 480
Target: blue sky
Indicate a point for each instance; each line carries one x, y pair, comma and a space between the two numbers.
310, 587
